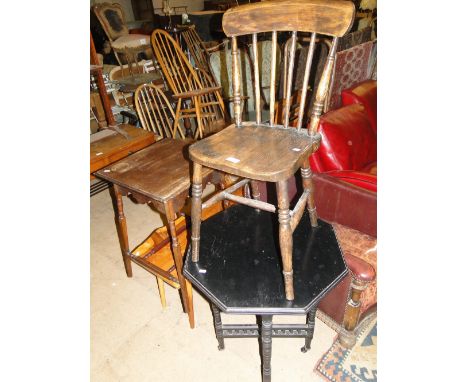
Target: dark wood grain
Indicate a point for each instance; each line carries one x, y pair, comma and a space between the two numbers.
115, 146
168, 163
263, 152
329, 17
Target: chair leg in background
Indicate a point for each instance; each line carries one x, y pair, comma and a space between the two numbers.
347, 335
176, 118
307, 184
285, 237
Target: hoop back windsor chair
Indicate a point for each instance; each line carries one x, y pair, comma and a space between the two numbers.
155, 111
257, 151
185, 83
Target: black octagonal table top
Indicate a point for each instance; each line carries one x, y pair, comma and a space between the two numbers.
240, 270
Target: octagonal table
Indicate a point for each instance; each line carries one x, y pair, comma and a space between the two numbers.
239, 270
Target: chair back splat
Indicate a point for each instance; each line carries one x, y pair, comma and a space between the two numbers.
331, 18
272, 151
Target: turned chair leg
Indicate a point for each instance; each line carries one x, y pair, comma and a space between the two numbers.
198, 111
122, 231
197, 189
347, 335
162, 292
307, 184
176, 119
285, 237
255, 192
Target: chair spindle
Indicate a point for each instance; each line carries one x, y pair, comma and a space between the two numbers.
236, 82
310, 55
257, 80
322, 89
272, 77
292, 54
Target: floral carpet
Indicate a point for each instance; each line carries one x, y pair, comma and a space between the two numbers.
358, 364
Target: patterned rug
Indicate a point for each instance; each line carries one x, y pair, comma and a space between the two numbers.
358, 364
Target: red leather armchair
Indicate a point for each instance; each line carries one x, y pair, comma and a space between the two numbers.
345, 178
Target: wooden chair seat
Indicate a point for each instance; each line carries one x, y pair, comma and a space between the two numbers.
259, 152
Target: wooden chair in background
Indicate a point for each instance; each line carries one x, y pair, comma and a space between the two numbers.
199, 53
257, 151
193, 99
155, 111
112, 19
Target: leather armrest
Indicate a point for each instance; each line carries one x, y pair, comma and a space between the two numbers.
360, 269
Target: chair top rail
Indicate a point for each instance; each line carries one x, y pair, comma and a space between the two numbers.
327, 17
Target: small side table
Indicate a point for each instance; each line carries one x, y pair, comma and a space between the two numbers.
160, 175
239, 270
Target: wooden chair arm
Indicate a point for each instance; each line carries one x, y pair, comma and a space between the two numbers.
195, 93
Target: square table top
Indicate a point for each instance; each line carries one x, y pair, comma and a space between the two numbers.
160, 171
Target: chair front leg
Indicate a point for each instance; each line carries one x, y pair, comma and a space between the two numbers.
177, 117
285, 237
307, 184
197, 189
198, 112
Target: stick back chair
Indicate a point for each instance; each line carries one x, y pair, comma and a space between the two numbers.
257, 151
185, 83
197, 49
155, 111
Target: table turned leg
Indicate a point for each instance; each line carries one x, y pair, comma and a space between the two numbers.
188, 305
267, 324
285, 237
310, 329
218, 326
122, 230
